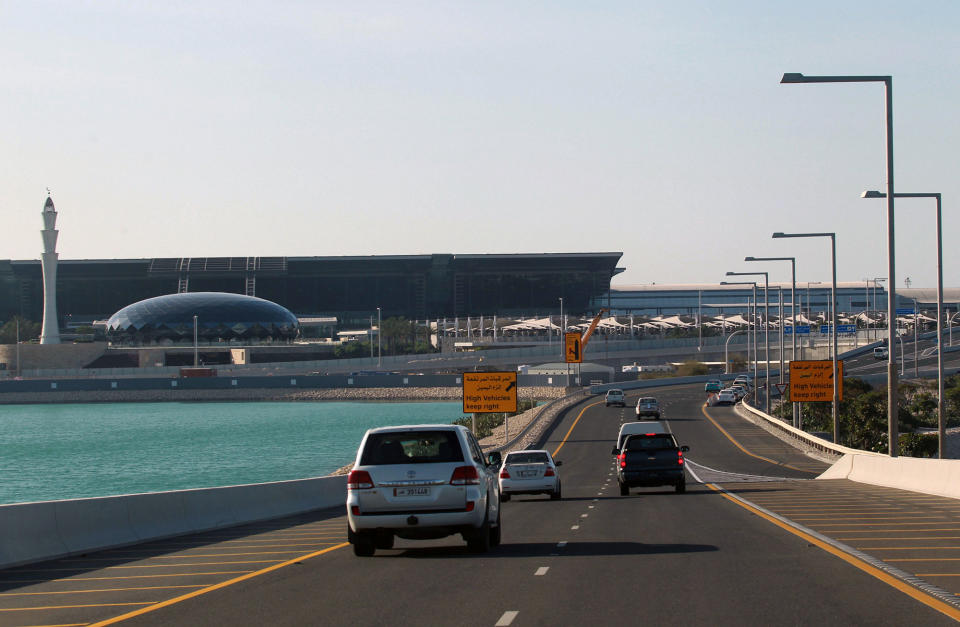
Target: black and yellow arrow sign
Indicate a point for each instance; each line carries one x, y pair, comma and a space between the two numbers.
573, 348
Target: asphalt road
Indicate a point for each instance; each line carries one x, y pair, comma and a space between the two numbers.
654, 557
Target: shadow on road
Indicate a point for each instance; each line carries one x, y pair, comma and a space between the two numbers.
537, 549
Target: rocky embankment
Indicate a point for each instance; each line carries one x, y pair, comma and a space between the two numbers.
261, 394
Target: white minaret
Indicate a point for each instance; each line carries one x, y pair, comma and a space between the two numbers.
51, 328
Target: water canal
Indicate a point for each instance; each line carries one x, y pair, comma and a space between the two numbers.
66, 451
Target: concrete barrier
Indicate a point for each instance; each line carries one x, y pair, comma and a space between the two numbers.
33, 532
940, 477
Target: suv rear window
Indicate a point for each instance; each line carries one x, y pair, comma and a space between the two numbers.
411, 447
527, 458
648, 442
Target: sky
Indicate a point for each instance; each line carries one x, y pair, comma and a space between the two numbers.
656, 129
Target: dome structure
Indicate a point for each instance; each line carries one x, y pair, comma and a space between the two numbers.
220, 316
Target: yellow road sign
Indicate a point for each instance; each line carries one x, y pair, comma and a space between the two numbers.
573, 348
812, 381
489, 392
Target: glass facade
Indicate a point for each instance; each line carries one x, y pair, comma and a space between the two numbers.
220, 316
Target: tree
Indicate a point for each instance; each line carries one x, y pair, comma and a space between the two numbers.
29, 330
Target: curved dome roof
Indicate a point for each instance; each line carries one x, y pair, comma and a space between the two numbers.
220, 315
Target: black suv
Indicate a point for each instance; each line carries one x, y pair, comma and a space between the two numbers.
650, 459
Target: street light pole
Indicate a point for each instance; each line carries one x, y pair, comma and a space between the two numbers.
379, 344
833, 322
941, 426
196, 350
753, 322
893, 427
793, 310
766, 330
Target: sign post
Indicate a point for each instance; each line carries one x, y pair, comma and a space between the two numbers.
489, 392
812, 381
573, 348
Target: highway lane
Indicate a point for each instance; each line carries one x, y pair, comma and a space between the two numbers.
654, 556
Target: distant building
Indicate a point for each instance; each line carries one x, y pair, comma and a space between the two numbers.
416, 287
712, 299
217, 316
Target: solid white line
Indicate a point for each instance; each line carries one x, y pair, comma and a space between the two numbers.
541, 571
507, 618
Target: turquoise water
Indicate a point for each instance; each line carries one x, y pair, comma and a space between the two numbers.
59, 451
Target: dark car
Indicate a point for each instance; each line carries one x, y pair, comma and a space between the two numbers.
651, 459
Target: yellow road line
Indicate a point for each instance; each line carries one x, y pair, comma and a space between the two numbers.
187, 556
19, 594
703, 408
894, 538
69, 607
570, 430
230, 582
151, 576
924, 559
909, 590
910, 548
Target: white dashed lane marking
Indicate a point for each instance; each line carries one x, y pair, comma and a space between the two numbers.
507, 618
541, 571
575, 527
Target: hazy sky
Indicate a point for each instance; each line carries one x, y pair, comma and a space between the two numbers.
659, 129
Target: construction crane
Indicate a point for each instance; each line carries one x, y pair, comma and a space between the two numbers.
591, 329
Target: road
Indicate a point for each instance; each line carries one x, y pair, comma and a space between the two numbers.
654, 557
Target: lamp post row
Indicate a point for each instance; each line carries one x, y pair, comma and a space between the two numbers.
892, 383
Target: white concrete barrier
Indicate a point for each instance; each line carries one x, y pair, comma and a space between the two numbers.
33, 532
940, 477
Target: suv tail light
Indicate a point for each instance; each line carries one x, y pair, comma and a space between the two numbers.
680, 458
549, 473
465, 475
359, 480
504, 474
622, 458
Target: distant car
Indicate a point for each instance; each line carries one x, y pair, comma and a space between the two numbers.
648, 406
881, 352
615, 397
727, 397
739, 390
635, 428
713, 386
529, 472
422, 482
745, 379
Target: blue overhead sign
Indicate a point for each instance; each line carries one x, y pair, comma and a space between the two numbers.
906, 311
842, 329
802, 329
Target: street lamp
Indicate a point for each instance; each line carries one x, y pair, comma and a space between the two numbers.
766, 329
941, 427
833, 321
892, 417
753, 320
196, 350
793, 310
876, 280
379, 345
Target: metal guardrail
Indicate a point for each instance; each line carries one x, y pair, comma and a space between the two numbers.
804, 437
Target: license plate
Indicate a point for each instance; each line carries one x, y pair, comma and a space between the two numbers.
528, 473
411, 491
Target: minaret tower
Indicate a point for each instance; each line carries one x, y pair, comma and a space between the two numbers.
51, 328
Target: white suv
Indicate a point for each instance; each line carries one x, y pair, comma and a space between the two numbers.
422, 482
614, 397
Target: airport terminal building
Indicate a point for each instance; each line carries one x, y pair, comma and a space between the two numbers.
417, 287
